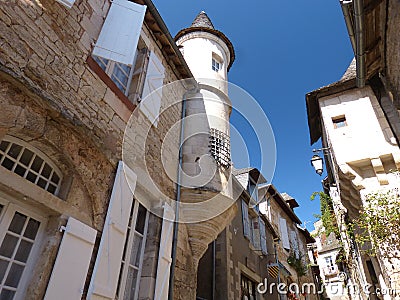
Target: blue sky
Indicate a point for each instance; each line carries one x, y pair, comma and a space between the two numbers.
284, 49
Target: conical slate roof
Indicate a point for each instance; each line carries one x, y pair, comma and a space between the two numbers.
202, 23
202, 20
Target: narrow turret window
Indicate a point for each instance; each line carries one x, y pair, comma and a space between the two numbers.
216, 63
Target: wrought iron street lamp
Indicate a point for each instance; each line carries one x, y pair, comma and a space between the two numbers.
317, 162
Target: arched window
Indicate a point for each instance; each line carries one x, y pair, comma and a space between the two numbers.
30, 163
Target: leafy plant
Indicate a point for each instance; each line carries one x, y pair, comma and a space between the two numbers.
297, 264
327, 214
378, 225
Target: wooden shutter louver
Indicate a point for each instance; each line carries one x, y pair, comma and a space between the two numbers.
295, 243
245, 218
152, 90
104, 281
164, 256
263, 235
120, 33
69, 272
284, 233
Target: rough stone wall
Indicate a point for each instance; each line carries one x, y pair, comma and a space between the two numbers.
185, 269
392, 49
53, 100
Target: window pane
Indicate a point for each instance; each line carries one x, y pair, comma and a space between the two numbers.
51, 189
55, 178
37, 163
42, 183
14, 275
3, 268
135, 253
7, 295
31, 177
4, 145
23, 251
14, 150
126, 244
7, 163
20, 170
46, 171
130, 284
8, 246
141, 219
32, 229
17, 223
101, 61
26, 157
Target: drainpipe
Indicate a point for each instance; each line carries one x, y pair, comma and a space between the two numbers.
213, 270
178, 195
360, 45
279, 267
345, 9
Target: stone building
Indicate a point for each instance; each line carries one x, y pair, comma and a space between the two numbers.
329, 250
292, 251
72, 182
361, 153
373, 28
236, 262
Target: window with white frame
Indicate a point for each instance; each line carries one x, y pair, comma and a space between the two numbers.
216, 63
132, 260
329, 262
119, 51
24, 160
19, 233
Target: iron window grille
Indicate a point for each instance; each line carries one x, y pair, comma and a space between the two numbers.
220, 148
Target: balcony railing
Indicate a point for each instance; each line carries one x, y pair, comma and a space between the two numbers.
331, 270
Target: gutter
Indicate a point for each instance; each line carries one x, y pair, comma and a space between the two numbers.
357, 37
160, 22
345, 9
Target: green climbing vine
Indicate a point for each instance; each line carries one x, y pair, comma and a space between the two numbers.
327, 214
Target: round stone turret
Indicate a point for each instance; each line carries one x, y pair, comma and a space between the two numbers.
207, 51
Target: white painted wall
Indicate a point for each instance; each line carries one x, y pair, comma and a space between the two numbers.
367, 139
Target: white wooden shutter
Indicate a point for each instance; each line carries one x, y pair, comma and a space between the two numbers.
67, 3
255, 226
263, 235
284, 233
103, 284
152, 90
245, 218
164, 256
70, 268
120, 33
295, 244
